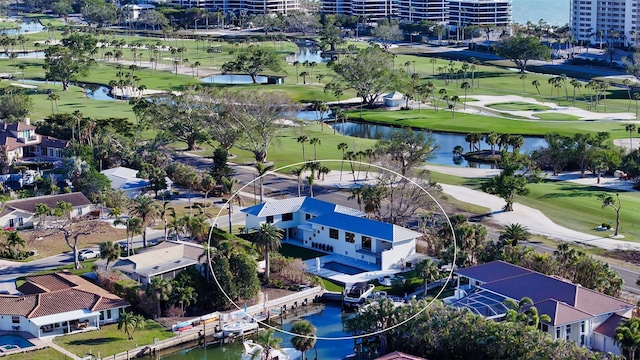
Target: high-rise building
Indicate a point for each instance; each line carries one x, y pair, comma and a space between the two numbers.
250, 6
479, 12
605, 21
371, 10
418, 10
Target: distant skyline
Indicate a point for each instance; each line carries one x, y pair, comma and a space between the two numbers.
554, 12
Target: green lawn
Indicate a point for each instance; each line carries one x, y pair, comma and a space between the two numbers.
332, 286
570, 205
46, 353
7, 24
518, 106
556, 116
109, 340
466, 123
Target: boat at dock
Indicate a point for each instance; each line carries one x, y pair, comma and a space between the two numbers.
239, 327
256, 351
358, 293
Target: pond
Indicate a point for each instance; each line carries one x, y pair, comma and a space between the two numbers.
308, 53
446, 141
26, 26
310, 115
29, 54
97, 92
328, 319
233, 79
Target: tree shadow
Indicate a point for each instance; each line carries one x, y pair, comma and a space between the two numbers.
99, 341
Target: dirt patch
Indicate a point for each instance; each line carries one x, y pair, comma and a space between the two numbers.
55, 244
630, 256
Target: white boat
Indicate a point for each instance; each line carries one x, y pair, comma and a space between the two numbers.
388, 280
253, 351
239, 327
358, 293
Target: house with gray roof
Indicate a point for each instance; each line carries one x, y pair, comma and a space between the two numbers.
166, 259
336, 229
577, 314
57, 304
20, 213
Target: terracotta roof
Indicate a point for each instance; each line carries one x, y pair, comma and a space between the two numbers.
9, 141
608, 328
58, 293
75, 199
493, 271
396, 355
597, 303
52, 142
560, 313
17, 305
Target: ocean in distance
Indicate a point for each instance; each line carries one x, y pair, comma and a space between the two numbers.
554, 12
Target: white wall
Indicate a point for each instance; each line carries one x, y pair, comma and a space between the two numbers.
400, 252
27, 219
605, 344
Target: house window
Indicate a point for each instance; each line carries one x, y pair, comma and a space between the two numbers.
15, 319
307, 216
12, 223
544, 327
101, 315
270, 219
79, 211
557, 333
366, 242
20, 222
333, 233
350, 237
287, 217
109, 314
568, 332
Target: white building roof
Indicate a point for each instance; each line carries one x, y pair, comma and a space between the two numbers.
304, 204
62, 317
394, 96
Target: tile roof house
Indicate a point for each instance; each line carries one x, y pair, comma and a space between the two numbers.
17, 214
166, 259
56, 304
396, 355
20, 140
577, 314
336, 229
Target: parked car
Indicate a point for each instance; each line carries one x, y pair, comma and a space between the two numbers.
88, 254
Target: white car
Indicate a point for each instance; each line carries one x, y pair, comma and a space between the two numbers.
88, 254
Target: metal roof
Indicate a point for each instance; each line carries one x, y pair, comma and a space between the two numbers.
373, 228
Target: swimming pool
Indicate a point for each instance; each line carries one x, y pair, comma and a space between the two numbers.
13, 342
345, 269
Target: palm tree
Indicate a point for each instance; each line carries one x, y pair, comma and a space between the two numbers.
126, 323
465, 86
343, 147
315, 142
609, 200
356, 193
267, 238
458, 151
53, 97
298, 174
186, 296
109, 250
42, 210
631, 128
303, 139
311, 181
198, 227
522, 77
262, 170
492, 139
164, 209
536, 84
147, 210
297, 65
627, 336
627, 83
159, 289
14, 240
512, 234
268, 342
307, 340
63, 209
428, 270
636, 97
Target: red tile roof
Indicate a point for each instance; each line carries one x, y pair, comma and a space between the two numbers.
57, 293
17, 126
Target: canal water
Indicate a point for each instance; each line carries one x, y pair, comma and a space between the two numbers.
327, 318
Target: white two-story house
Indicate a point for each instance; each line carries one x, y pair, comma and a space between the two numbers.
336, 229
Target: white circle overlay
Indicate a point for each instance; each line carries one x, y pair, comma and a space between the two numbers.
273, 172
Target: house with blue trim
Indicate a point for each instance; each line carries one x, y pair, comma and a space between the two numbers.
336, 229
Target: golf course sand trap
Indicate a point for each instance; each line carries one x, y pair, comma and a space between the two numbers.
484, 100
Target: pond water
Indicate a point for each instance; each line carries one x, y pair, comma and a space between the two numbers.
97, 92
31, 54
308, 53
446, 141
233, 79
26, 26
327, 318
310, 115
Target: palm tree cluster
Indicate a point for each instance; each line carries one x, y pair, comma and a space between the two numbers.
493, 139
441, 331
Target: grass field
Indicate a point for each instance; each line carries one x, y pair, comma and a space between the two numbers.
109, 340
46, 353
518, 106
571, 205
556, 116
